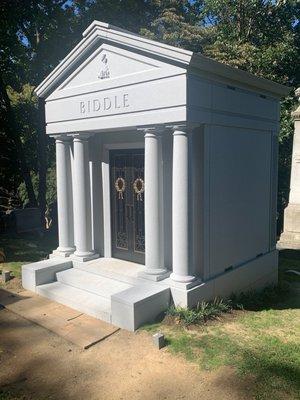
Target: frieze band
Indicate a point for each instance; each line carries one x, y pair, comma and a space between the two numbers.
107, 103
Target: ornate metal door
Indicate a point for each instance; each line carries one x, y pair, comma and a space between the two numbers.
127, 204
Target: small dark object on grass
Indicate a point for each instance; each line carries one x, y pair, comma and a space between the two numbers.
6, 276
159, 340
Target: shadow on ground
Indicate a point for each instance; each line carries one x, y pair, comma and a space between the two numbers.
27, 247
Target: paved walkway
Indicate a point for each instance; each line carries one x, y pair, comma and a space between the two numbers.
70, 324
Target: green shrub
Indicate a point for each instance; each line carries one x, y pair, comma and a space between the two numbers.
200, 314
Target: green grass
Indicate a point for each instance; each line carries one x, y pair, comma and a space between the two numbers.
261, 342
22, 249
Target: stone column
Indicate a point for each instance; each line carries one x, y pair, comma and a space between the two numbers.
64, 197
180, 207
82, 199
290, 238
153, 221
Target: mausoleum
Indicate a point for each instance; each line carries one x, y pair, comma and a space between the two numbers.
166, 178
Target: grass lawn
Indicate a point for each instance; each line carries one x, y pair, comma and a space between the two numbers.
262, 343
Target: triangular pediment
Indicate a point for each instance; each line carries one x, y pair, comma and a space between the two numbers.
108, 63
107, 53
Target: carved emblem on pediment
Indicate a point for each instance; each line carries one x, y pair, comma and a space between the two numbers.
104, 72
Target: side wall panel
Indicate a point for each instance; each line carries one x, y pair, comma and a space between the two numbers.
235, 182
240, 194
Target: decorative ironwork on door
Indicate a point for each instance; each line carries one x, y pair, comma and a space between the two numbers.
127, 204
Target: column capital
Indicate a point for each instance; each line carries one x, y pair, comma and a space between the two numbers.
183, 127
81, 136
150, 131
61, 138
180, 129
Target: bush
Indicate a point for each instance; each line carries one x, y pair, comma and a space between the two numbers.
201, 314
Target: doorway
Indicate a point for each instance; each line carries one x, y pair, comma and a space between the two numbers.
127, 204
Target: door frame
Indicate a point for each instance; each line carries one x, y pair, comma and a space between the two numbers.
107, 229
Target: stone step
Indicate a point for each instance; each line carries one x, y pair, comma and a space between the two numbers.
81, 300
110, 273
91, 282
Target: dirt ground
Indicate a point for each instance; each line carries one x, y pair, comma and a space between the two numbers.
37, 364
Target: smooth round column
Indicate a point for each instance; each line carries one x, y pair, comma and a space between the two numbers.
180, 217
82, 199
153, 223
64, 197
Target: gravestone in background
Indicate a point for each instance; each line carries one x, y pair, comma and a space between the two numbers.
26, 220
290, 238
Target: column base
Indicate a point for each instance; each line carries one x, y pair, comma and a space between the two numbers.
154, 275
84, 256
182, 278
184, 285
62, 252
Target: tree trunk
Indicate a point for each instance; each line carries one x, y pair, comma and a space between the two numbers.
12, 131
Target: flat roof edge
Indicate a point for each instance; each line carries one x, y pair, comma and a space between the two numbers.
206, 64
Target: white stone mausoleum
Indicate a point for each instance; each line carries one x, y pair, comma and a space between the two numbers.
166, 178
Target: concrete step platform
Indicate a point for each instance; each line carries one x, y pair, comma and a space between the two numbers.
90, 282
78, 299
108, 289
124, 271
